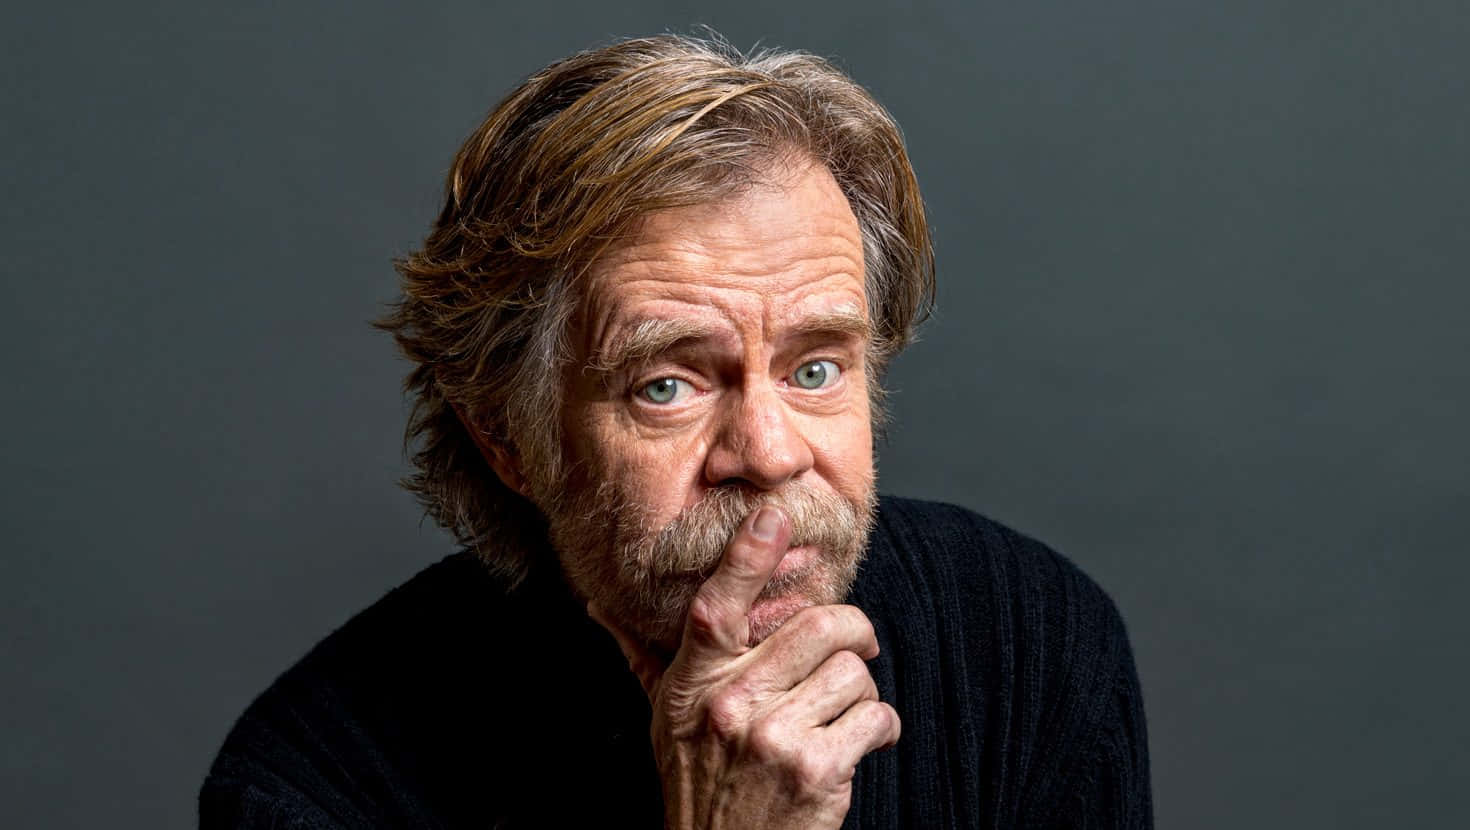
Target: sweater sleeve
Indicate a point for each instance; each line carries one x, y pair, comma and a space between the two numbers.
1081, 707
299, 758
263, 778
1109, 788
1088, 725
1013, 673
237, 804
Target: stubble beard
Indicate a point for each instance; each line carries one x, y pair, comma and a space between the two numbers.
643, 577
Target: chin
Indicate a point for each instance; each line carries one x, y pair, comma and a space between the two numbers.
769, 614
824, 581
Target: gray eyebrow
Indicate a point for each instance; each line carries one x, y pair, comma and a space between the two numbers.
654, 336
644, 340
842, 322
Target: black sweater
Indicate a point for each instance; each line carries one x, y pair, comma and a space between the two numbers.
452, 702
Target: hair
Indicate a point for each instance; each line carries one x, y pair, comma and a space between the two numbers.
565, 166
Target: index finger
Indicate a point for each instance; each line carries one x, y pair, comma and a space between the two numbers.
717, 625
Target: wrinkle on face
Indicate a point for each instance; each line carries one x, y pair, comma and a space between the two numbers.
728, 298
737, 277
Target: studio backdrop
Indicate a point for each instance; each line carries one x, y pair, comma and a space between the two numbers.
1201, 327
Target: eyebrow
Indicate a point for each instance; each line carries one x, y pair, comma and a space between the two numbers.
653, 337
839, 324
644, 340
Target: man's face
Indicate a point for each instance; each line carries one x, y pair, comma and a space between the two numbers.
720, 366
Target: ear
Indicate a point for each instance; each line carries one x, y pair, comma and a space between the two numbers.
501, 456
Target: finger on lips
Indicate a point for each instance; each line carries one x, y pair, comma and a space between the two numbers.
717, 616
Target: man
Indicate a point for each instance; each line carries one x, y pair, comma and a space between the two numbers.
648, 331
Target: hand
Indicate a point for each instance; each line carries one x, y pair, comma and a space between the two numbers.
766, 736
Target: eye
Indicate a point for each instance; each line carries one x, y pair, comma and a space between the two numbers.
816, 374
663, 390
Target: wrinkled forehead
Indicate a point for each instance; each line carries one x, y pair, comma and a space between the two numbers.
789, 241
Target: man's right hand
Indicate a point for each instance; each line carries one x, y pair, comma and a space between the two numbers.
766, 736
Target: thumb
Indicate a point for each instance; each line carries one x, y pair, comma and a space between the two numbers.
647, 666
717, 627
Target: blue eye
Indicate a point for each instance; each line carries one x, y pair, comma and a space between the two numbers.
817, 374
663, 390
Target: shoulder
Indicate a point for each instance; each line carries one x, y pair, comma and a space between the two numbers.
1007, 653
966, 556
337, 737
1000, 610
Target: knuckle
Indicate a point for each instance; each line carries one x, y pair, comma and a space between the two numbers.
725, 714
868, 717
850, 667
878, 714
874, 711
706, 615
820, 622
767, 740
817, 771
836, 622
859, 622
883, 720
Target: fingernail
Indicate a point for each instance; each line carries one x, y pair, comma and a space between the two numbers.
767, 522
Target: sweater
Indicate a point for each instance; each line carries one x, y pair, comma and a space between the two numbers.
457, 702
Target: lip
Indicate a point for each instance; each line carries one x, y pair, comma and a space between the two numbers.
796, 557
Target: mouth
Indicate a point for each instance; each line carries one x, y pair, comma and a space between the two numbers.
797, 558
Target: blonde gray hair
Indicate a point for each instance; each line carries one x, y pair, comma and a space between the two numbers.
563, 167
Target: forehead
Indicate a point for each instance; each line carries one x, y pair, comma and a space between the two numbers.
787, 247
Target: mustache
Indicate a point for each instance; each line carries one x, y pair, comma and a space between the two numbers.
693, 542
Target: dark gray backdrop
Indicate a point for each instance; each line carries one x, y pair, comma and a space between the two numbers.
1202, 328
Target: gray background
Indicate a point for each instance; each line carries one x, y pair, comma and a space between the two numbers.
1202, 328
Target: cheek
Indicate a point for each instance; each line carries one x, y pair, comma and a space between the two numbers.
845, 447
660, 473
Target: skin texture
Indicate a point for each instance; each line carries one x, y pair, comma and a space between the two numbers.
753, 272
762, 703
764, 736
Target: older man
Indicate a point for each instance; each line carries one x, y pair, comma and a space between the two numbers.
648, 331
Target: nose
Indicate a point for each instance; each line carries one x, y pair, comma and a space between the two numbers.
758, 442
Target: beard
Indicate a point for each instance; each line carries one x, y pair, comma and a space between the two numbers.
643, 576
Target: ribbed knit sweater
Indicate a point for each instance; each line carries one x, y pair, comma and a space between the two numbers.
453, 702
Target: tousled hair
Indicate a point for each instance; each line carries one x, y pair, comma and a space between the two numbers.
563, 167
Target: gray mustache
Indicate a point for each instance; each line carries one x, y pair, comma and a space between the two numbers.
692, 544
